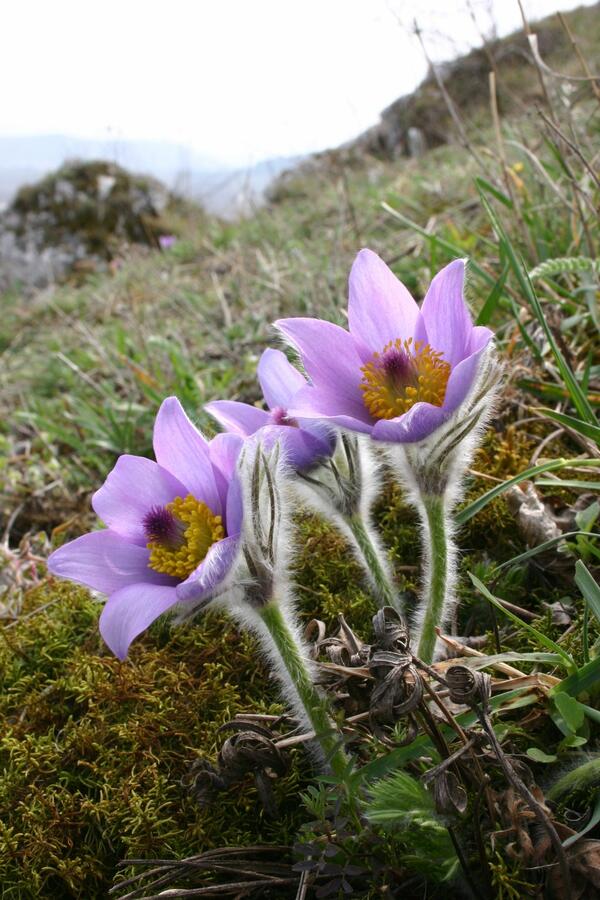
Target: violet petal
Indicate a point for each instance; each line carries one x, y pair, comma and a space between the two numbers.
234, 507
415, 425
130, 611
480, 337
380, 308
321, 430
212, 570
240, 418
332, 362
133, 487
105, 561
461, 380
300, 449
312, 403
224, 450
278, 378
330, 358
445, 313
180, 448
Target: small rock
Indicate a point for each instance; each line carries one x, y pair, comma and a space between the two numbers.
76, 220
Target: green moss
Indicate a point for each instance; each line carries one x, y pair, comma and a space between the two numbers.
93, 750
328, 578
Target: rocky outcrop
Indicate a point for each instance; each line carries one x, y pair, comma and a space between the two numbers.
422, 120
76, 220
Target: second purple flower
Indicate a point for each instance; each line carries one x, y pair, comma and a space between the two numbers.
304, 441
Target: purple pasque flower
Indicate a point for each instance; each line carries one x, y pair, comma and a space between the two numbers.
303, 441
173, 528
399, 372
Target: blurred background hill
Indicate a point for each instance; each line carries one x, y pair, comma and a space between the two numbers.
76, 208
218, 121
223, 190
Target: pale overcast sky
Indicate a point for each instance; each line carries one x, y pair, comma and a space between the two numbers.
238, 80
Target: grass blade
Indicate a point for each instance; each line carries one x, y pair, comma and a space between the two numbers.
568, 483
481, 662
540, 548
446, 245
493, 298
586, 428
588, 587
541, 638
578, 396
473, 508
582, 680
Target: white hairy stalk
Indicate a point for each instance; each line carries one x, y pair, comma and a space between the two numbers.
268, 605
432, 474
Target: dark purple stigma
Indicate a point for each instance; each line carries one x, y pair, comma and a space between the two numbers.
162, 527
397, 364
279, 416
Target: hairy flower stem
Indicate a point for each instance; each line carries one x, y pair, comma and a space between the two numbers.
313, 704
438, 551
375, 567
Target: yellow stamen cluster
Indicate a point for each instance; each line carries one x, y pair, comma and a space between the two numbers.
388, 392
202, 531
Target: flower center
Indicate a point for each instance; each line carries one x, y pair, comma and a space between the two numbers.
279, 416
180, 535
401, 375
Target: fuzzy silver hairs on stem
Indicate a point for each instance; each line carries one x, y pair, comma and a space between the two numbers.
267, 607
432, 473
